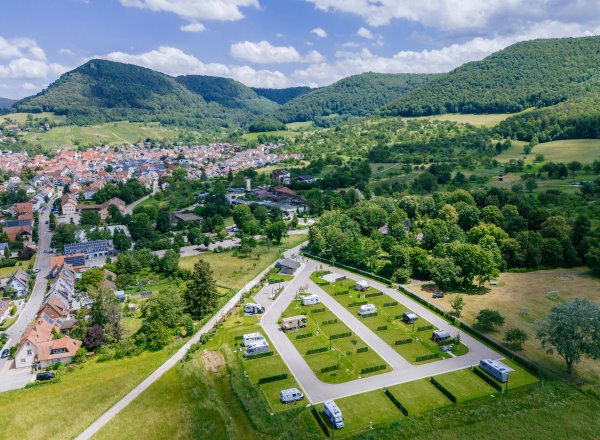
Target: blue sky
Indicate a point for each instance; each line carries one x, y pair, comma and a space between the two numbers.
272, 43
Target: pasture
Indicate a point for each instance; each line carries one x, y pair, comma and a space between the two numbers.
582, 150
487, 120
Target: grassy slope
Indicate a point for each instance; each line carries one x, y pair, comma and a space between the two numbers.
583, 150
22, 117
487, 120
235, 272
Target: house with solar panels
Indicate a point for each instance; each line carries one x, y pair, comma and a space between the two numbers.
91, 249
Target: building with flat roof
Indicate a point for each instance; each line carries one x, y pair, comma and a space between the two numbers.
91, 249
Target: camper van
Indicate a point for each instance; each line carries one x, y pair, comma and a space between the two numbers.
252, 338
496, 369
257, 348
290, 395
440, 335
309, 300
253, 309
294, 322
409, 317
334, 414
361, 285
367, 309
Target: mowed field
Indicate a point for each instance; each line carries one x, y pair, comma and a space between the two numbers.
110, 133
21, 118
582, 150
489, 120
523, 298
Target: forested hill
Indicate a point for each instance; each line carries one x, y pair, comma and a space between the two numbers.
102, 90
534, 73
228, 93
281, 96
6, 103
357, 95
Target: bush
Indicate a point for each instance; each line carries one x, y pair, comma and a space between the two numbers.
382, 328
516, 337
369, 315
320, 421
427, 357
304, 336
317, 350
373, 369
330, 368
259, 355
396, 402
371, 295
487, 319
362, 349
8, 262
425, 327
329, 322
357, 304
444, 391
275, 378
317, 310
392, 304
487, 378
403, 341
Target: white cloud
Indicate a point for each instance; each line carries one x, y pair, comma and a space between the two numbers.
264, 52
65, 51
365, 33
193, 27
192, 10
173, 61
319, 32
24, 59
465, 15
29, 86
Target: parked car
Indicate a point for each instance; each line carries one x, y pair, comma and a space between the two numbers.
37, 269
438, 295
44, 375
4, 354
46, 222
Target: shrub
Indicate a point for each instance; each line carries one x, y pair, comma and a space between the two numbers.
487, 319
516, 337
357, 304
487, 378
373, 369
330, 368
392, 304
403, 341
382, 328
444, 391
371, 295
329, 322
259, 355
427, 357
275, 378
341, 335
396, 402
425, 327
317, 350
304, 336
362, 349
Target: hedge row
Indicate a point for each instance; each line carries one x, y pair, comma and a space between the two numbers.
362, 349
341, 292
341, 335
238, 338
350, 268
369, 315
398, 317
392, 304
487, 378
357, 304
427, 357
272, 378
305, 335
317, 310
427, 304
259, 355
322, 283
371, 295
317, 350
329, 322
373, 369
444, 391
425, 327
320, 421
396, 402
330, 368
382, 328
403, 341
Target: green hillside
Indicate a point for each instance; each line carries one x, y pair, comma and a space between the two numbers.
281, 96
228, 93
535, 73
358, 95
101, 91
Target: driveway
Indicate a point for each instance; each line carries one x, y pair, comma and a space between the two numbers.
402, 371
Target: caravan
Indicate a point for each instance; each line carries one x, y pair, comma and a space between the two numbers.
309, 300
294, 322
290, 395
334, 414
409, 317
440, 335
253, 309
252, 338
367, 309
496, 369
257, 348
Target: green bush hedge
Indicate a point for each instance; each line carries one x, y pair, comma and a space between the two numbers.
381, 279
444, 391
304, 336
275, 378
427, 357
396, 402
357, 304
487, 378
403, 341
329, 322
238, 338
392, 304
259, 355
382, 328
369, 315
373, 369
330, 368
425, 327
427, 304
320, 421
317, 310
317, 350
374, 294
341, 335
362, 349
341, 292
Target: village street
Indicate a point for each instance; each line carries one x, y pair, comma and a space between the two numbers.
402, 371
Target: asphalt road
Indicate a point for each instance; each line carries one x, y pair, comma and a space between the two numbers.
402, 371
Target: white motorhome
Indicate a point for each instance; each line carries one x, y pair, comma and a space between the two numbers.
308, 300
409, 317
294, 322
251, 338
290, 395
334, 414
257, 348
253, 309
496, 369
367, 309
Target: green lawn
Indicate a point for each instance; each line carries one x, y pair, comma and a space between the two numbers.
419, 396
21, 118
361, 410
343, 351
66, 408
235, 272
465, 385
583, 150
489, 120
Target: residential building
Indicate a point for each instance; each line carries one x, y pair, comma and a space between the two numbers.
68, 204
91, 249
18, 281
75, 261
282, 176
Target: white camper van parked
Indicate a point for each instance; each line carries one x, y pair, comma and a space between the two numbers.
334, 414
409, 317
252, 338
496, 369
367, 309
290, 395
309, 300
257, 348
253, 309
440, 335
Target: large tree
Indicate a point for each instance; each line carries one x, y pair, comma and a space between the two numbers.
201, 295
572, 330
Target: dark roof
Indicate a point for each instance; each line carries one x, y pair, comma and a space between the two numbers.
75, 260
286, 262
21, 222
89, 247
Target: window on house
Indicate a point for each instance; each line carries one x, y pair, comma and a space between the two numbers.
22, 360
28, 352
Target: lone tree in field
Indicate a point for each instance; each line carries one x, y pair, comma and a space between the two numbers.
201, 295
572, 330
516, 337
457, 304
487, 319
